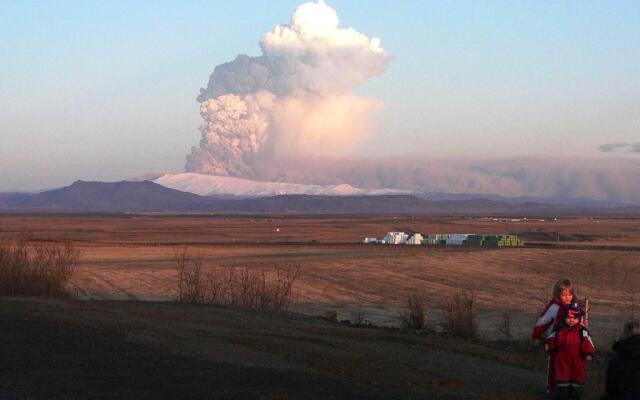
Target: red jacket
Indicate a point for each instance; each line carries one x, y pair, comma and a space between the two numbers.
571, 346
551, 315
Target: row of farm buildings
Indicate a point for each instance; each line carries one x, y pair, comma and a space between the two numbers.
450, 239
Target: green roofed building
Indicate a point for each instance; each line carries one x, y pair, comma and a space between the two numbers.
473, 240
494, 241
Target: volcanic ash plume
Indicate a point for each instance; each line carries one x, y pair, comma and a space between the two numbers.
293, 100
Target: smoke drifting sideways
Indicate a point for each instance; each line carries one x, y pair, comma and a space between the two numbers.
615, 180
611, 147
294, 100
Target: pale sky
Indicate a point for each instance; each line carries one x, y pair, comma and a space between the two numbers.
106, 90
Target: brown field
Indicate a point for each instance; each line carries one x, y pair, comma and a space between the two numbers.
131, 257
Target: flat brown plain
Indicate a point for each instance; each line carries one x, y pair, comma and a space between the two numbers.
132, 257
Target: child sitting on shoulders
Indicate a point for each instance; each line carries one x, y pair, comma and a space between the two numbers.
573, 348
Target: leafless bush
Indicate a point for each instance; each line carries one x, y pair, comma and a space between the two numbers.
414, 317
460, 315
195, 288
237, 286
36, 270
505, 327
358, 316
331, 316
181, 259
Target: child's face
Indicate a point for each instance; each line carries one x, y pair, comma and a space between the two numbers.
635, 331
566, 297
571, 321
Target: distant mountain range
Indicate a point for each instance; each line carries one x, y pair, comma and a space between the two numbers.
235, 188
221, 186
147, 196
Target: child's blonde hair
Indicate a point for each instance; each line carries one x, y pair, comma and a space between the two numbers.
562, 285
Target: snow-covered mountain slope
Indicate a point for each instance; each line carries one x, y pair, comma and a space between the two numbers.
208, 185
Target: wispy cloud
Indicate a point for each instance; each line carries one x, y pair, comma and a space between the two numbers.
619, 146
609, 147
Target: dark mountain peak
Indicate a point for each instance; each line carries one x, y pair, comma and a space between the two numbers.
81, 183
120, 196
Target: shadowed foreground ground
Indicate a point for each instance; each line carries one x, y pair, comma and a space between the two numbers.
144, 350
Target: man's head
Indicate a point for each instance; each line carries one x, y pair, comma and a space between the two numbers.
631, 328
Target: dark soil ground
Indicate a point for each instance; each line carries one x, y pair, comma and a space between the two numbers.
66, 349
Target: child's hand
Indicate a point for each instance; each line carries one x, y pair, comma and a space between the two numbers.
546, 347
589, 358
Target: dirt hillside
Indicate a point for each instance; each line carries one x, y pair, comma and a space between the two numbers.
148, 350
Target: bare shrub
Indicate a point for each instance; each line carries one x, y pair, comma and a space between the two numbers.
237, 286
331, 316
460, 315
358, 316
194, 285
181, 258
36, 270
505, 327
414, 317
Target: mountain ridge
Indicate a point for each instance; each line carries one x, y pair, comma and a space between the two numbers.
147, 196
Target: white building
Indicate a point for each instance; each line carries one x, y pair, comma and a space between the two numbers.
415, 239
368, 240
395, 238
456, 239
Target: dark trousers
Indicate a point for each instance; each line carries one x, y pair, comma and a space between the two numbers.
568, 391
551, 371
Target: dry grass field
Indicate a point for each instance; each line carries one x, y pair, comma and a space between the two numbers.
233, 353
131, 257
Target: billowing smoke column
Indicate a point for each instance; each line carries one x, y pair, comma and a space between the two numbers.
293, 100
